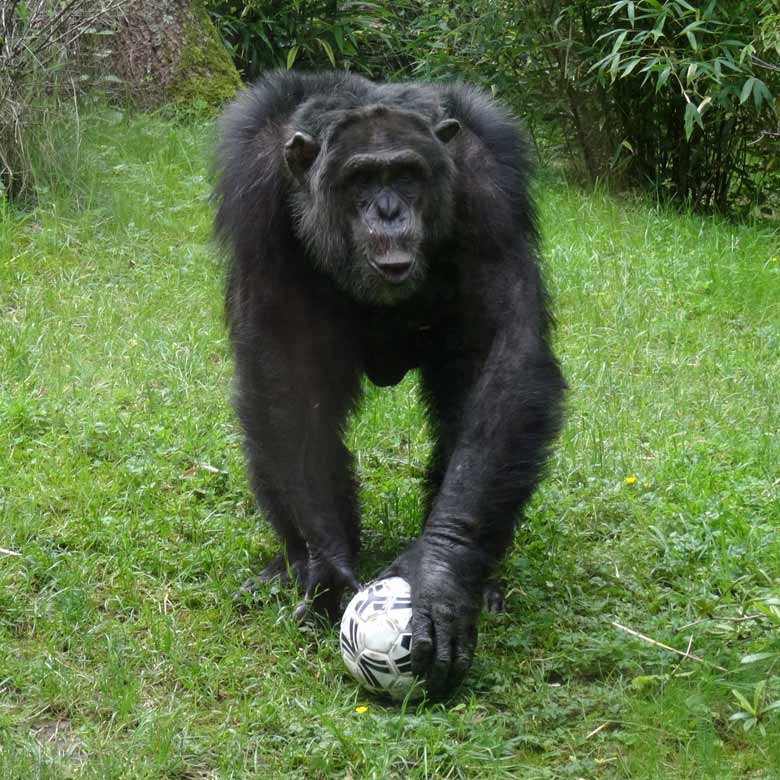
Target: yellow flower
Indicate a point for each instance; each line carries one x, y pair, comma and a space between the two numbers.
630, 480
774, 259
361, 710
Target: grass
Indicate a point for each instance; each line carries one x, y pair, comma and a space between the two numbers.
126, 522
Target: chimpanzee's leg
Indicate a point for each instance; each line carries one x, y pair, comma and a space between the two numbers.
290, 565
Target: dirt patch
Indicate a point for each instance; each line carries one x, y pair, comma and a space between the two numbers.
58, 738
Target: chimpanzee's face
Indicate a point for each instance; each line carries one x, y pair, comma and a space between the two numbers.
374, 195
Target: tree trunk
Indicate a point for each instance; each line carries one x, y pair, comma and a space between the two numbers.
168, 51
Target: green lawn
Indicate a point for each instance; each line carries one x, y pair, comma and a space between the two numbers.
126, 522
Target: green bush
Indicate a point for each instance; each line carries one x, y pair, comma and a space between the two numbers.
263, 34
646, 92
692, 94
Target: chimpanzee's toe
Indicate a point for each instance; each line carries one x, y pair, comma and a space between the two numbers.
279, 570
493, 597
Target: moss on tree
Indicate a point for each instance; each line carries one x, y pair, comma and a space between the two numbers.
205, 74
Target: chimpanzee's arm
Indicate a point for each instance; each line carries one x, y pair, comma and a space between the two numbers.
507, 419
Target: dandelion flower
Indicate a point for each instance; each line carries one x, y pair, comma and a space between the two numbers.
630, 480
361, 710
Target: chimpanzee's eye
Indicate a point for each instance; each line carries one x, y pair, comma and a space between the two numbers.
408, 183
359, 180
408, 176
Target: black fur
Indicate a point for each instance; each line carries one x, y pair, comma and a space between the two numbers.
311, 307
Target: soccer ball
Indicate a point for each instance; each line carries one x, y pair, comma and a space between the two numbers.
376, 638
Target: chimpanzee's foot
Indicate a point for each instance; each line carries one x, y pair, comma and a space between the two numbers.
327, 582
281, 570
325, 603
493, 596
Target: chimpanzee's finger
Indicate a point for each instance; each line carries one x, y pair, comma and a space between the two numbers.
438, 682
422, 643
465, 645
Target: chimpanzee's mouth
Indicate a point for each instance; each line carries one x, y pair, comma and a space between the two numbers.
395, 267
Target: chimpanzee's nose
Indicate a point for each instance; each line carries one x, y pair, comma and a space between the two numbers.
388, 206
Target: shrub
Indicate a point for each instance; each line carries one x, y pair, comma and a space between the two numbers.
362, 36
40, 41
652, 93
692, 93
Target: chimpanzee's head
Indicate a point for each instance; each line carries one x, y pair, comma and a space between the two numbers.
372, 193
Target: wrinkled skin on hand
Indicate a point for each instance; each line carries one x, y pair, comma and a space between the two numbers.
446, 590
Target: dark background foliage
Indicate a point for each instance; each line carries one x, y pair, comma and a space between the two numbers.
678, 97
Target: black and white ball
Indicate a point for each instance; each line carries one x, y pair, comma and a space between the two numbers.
376, 638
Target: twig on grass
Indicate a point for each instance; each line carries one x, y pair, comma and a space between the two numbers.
687, 653
598, 728
651, 641
3, 551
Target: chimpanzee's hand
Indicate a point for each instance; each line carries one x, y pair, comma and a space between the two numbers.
446, 602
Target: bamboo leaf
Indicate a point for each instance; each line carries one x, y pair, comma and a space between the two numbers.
761, 93
630, 66
615, 65
616, 8
747, 88
692, 26
619, 41
338, 36
663, 78
692, 115
328, 51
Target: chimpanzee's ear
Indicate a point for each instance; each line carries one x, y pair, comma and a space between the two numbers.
446, 130
300, 152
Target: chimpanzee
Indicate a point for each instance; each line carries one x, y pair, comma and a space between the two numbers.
374, 229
